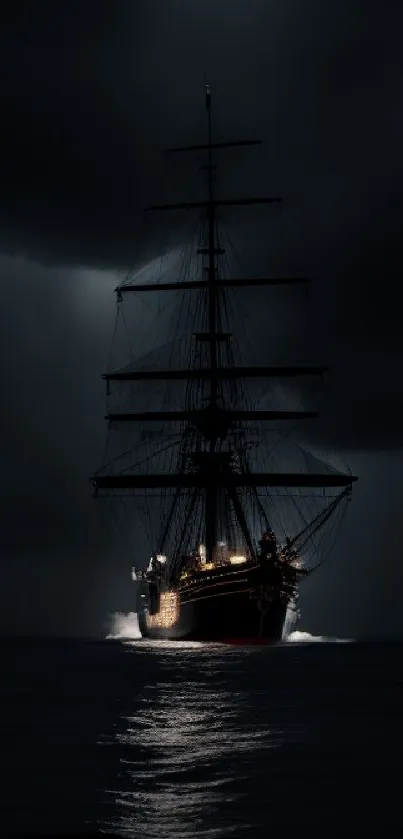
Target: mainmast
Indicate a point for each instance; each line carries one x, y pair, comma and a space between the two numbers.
212, 291
213, 468
211, 489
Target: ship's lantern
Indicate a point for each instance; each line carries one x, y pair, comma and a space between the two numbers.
237, 559
202, 553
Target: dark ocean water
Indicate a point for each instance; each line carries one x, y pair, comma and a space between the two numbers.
181, 741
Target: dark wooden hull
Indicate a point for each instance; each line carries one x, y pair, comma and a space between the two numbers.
235, 610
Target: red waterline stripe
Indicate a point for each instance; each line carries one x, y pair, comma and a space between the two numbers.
253, 641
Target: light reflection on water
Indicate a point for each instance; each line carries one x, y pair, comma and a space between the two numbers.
186, 741
187, 752
213, 741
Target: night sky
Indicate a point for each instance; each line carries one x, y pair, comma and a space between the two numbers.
90, 93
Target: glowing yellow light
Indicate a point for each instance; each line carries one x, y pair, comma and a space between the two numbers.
168, 613
208, 566
237, 559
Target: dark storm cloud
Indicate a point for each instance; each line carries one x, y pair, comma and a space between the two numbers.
90, 92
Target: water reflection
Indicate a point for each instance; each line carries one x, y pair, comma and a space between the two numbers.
187, 750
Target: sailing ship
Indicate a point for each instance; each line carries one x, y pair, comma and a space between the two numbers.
231, 532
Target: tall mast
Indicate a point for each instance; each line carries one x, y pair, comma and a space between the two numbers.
211, 489
212, 292
212, 470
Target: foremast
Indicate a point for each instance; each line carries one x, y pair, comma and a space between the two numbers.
213, 468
